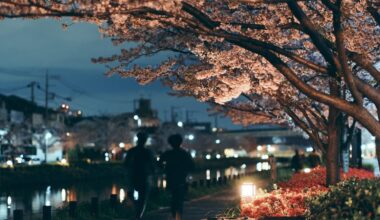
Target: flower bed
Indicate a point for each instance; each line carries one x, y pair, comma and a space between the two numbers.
289, 200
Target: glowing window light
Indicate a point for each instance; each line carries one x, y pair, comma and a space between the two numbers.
9, 201
135, 195
266, 166
248, 190
270, 148
9, 163
259, 148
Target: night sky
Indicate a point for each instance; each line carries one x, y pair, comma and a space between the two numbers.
31, 47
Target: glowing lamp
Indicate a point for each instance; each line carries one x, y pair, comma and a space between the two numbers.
307, 170
248, 190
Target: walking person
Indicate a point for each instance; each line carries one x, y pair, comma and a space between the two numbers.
314, 159
140, 167
177, 164
296, 162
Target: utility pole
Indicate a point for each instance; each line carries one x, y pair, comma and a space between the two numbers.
46, 96
173, 114
32, 97
216, 121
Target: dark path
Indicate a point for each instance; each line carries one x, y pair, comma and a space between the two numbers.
208, 206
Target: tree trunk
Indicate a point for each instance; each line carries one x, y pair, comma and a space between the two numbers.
332, 162
377, 142
335, 125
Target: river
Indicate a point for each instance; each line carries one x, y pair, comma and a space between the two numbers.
32, 199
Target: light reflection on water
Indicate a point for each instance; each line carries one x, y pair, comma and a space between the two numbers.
31, 200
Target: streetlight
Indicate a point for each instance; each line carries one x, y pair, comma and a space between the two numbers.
248, 190
191, 137
180, 124
217, 141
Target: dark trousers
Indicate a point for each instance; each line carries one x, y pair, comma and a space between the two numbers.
178, 196
141, 200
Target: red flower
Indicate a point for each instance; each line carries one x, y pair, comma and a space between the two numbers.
289, 200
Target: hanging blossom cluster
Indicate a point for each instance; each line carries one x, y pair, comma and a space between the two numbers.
227, 52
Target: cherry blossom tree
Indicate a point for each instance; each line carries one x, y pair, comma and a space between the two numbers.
325, 49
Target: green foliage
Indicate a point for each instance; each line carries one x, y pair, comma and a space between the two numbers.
352, 199
368, 166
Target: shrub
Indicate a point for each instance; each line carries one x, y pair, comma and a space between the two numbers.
351, 199
290, 199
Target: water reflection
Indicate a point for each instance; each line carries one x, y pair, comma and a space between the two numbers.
121, 195
31, 200
47, 196
63, 195
218, 174
208, 175
261, 166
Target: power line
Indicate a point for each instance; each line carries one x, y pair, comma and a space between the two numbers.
79, 91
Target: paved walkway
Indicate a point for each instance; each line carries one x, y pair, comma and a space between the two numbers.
208, 206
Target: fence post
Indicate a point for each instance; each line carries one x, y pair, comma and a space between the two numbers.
46, 212
95, 206
214, 181
194, 184
73, 209
18, 214
113, 200
220, 181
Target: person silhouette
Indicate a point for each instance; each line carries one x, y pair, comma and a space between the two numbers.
177, 164
140, 167
296, 162
314, 159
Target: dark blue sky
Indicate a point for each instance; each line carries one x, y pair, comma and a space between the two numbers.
30, 47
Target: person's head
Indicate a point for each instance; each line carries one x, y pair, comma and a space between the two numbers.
296, 151
175, 140
142, 137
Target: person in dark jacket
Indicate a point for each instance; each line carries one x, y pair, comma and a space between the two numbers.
140, 167
314, 159
296, 162
177, 163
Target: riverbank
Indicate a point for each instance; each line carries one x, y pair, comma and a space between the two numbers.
159, 201
43, 175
